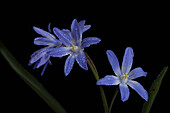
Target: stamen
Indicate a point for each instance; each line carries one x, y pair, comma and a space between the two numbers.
74, 47
125, 76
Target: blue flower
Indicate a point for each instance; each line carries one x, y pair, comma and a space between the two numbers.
41, 57
124, 76
73, 45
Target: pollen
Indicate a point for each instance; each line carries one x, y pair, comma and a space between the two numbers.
125, 76
74, 48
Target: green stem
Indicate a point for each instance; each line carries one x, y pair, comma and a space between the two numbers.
113, 99
94, 70
31, 81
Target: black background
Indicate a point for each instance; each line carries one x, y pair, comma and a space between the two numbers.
143, 26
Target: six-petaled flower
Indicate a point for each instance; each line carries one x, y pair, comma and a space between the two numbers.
73, 45
41, 57
124, 76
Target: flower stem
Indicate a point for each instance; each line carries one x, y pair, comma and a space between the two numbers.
92, 66
113, 99
31, 81
94, 70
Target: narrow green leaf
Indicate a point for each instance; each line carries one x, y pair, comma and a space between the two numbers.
31, 81
153, 91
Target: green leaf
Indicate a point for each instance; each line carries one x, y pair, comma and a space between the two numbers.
153, 91
31, 81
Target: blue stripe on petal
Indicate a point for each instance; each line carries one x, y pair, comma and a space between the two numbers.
127, 60
86, 27
67, 34
44, 33
86, 42
43, 60
81, 60
124, 91
42, 41
38, 54
75, 30
36, 64
137, 72
62, 36
59, 51
69, 64
114, 62
46, 41
138, 88
50, 62
108, 80
45, 66
49, 27
83, 27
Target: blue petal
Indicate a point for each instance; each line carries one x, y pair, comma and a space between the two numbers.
67, 34
49, 62
69, 64
114, 62
127, 60
75, 30
45, 66
44, 33
38, 54
81, 60
36, 64
46, 41
43, 60
86, 27
108, 80
138, 88
49, 27
62, 36
89, 41
137, 72
83, 27
59, 51
124, 91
